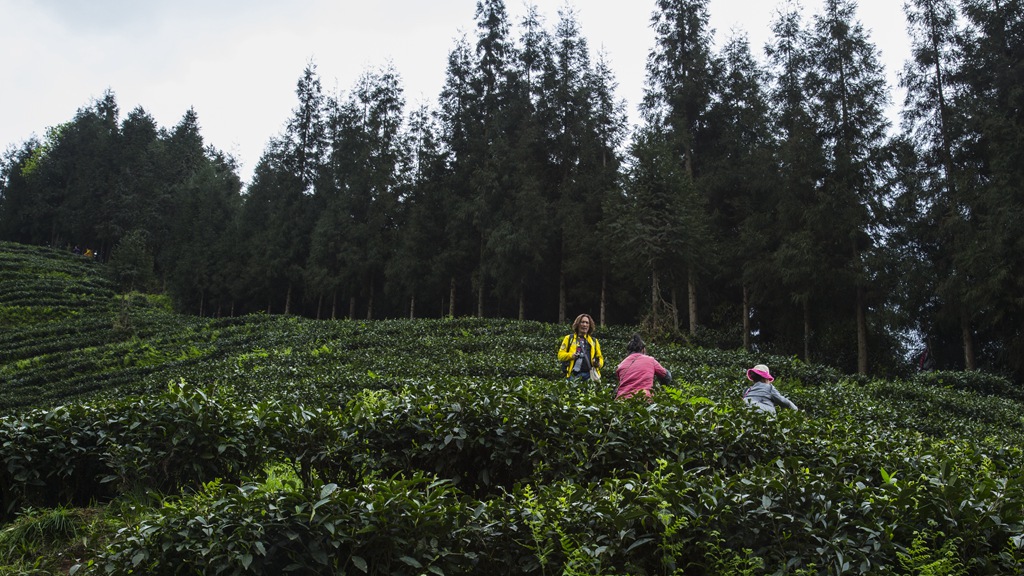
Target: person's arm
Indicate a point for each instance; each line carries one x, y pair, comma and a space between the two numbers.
778, 398
662, 373
598, 357
566, 350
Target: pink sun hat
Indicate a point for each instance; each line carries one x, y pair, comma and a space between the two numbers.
762, 371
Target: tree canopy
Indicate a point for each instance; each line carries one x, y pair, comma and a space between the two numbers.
764, 202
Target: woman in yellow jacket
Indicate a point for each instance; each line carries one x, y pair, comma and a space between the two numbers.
580, 351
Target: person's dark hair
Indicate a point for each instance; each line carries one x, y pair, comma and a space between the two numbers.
755, 377
576, 324
636, 344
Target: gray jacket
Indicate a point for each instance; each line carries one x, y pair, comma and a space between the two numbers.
765, 396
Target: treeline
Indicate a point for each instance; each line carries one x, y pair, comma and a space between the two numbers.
763, 202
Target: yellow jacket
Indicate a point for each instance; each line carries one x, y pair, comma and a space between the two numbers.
567, 351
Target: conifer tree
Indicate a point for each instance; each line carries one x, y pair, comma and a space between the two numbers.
25, 213
516, 240
459, 124
609, 129
658, 216
361, 189
848, 95
274, 221
183, 155
140, 188
739, 178
475, 104
305, 132
799, 219
680, 83
79, 173
991, 199
566, 111
936, 126
277, 216
490, 163
413, 271
201, 238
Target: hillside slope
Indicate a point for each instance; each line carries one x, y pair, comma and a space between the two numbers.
455, 447
67, 336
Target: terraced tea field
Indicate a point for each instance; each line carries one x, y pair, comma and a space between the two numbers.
141, 441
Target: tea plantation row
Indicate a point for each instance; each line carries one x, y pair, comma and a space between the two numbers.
266, 445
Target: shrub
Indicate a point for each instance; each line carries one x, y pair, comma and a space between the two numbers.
76, 454
393, 526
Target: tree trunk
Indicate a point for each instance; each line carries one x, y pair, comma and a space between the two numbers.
412, 306
369, 303
334, 305
522, 300
861, 316
480, 298
319, 305
451, 298
352, 307
288, 300
675, 307
807, 329
604, 297
655, 296
202, 302
746, 319
561, 296
965, 329
862, 333
480, 280
691, 284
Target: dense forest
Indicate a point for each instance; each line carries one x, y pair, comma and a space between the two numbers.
764, 201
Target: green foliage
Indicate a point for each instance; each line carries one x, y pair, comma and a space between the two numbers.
974, 381
78, 454
394, 526
923, 559
131, 263
35, 530
46, 541
517, 186
455, 446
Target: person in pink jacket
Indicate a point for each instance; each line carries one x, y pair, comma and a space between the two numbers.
637, 371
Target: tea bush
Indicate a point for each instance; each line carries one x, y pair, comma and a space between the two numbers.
979, 382
455, 446
76, 454
779, 517
393, 526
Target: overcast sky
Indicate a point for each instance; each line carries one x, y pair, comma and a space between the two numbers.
237, 61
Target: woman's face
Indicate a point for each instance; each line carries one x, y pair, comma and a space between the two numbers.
584, 325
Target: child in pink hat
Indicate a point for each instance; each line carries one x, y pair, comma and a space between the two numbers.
762, 394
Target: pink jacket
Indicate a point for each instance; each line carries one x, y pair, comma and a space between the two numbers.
636, 373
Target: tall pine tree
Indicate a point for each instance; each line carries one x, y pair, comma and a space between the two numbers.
846, 83
739, 178
680, 81
800, 219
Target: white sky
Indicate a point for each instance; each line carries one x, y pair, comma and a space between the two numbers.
237, 61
